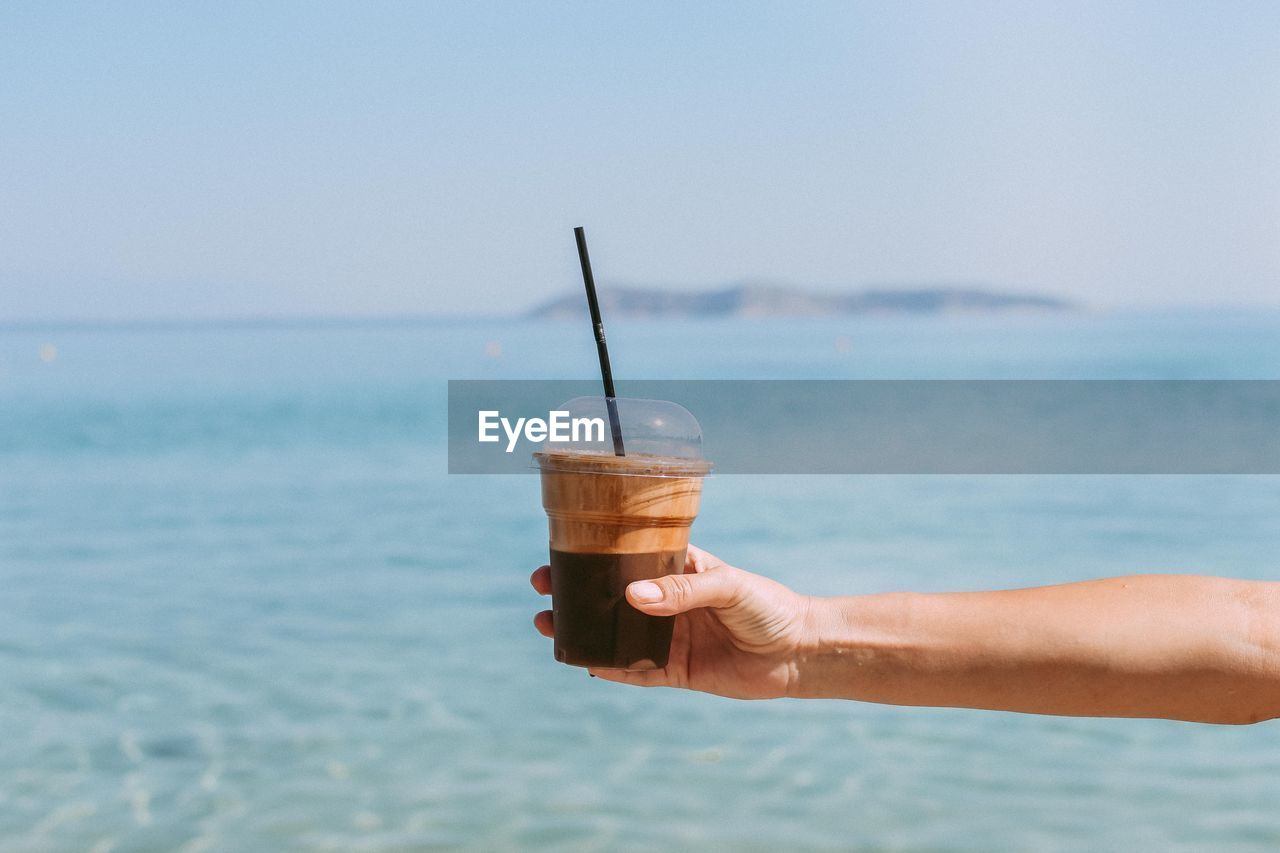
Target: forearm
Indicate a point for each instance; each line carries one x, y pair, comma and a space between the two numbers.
1170, 646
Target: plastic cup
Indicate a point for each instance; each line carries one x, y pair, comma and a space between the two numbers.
617, 519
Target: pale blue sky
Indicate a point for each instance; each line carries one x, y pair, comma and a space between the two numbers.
269, 158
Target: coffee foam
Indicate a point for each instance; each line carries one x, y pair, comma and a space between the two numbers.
603, 504
632, 465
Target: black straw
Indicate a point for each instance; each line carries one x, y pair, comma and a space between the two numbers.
606, 372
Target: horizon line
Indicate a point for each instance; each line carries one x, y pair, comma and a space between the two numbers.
37, 324
235, 321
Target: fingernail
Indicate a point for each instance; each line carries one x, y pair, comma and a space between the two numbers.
646, 591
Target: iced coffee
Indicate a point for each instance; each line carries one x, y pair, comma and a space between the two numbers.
613, 520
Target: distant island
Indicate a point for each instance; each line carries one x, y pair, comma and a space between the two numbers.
753, 300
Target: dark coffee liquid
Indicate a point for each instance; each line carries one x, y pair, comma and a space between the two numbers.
595, 625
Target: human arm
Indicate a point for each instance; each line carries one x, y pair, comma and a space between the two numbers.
1170, 646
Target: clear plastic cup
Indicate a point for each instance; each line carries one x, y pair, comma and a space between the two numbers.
617, 519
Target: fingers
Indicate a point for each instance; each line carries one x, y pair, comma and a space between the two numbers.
541, 580
698, 560
545, 623
637, 678
717, 586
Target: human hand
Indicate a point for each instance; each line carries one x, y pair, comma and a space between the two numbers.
736, 634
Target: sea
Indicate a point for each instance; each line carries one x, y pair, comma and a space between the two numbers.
243, 606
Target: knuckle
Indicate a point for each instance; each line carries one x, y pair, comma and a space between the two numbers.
679, 589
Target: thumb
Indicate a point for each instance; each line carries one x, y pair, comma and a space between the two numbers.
671, 594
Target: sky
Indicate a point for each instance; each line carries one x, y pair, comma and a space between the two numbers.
311, 159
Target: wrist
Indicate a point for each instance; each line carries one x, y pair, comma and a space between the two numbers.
825, 638
850, 645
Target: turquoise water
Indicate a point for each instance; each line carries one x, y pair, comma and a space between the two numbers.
243, 608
